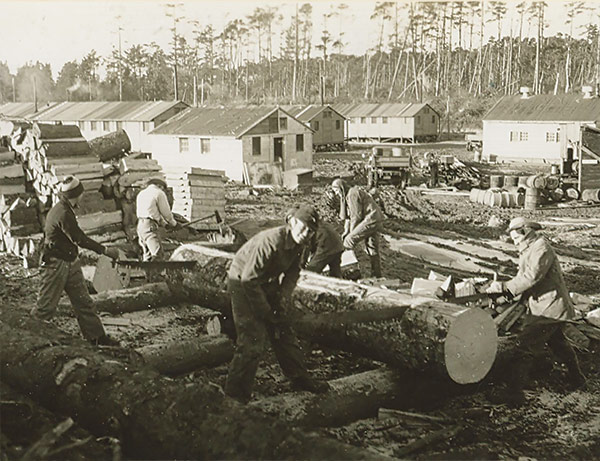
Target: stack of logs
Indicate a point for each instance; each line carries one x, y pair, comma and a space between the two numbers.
197, 193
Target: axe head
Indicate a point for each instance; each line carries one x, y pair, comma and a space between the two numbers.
218, 217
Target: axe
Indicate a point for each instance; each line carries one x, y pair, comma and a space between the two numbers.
215, 214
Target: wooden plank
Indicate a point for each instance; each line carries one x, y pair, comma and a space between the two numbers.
204, 172
108, 276
79, 160
128, 164
12, 171
99, 220
12, 189
77, 170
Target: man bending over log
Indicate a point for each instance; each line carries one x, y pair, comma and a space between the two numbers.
261, 279
61, 268
363, 220
540, 281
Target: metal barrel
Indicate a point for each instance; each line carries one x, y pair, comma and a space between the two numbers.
532, 198
591, 195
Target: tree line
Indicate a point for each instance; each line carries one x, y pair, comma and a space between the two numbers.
425, 51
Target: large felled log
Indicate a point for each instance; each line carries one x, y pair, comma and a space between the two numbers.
424, 334
52, 131
111, 146
180, 357
155, 418
146, 296
65, 149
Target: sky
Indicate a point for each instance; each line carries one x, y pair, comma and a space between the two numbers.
60, 31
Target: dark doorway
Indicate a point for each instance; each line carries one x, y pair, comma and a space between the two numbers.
278, 149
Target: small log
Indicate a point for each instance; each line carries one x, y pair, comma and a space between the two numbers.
153, 417
430, 439
111, 146
40, 449
179, 357
416, 333
52, 131
65, 149
399, 414
97, 221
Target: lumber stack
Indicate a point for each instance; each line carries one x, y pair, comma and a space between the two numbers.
12, 178
197, 192
20, 228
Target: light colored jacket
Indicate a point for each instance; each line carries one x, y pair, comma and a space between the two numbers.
152, 203
540, 280
361, 208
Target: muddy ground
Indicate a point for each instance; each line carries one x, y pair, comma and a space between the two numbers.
554, 424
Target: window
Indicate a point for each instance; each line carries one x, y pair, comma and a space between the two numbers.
384, 119
523, 136
273, 125
106, 126
373, 119
204, 145
514, 136
363, 120
433, 119
119, 125
327, 114
94, 125
315, 125
283, 123
299, 142
337, 124
256, 145
418, 119
184, 144
146, 126
426, 110
551, 137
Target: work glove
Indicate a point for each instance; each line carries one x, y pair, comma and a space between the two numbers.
348, 242
496, 288
112, 253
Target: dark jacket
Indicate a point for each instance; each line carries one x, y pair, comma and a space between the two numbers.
260, 263
540, 280
325, 242
62, 234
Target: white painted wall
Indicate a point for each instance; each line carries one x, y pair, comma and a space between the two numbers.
225, 154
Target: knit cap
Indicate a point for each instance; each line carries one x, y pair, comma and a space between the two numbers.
71, 187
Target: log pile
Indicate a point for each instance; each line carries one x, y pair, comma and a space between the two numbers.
20, 229
197, 193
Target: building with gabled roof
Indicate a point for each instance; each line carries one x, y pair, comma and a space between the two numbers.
327, 123
390, 122
540, 127
97, 118
252, 143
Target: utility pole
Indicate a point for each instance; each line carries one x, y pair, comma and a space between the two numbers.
120, 65
195, 91
35, 101
13, 88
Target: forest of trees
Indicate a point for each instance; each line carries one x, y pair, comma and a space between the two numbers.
425, 51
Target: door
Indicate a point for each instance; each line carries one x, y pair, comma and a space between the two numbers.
278, 150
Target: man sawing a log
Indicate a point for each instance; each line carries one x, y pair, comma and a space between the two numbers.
261, 279
61, 267
541, 282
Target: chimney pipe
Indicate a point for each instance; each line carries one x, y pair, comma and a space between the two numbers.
525, 90
587, 92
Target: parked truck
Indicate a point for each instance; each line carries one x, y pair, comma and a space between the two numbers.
388, 165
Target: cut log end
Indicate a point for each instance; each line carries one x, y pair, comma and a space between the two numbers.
470, 347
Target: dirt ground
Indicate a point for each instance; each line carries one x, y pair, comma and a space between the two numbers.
554, 424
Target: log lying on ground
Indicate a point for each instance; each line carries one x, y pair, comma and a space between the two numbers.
111, 146
180, 357
424, 334
155, 418
146, 296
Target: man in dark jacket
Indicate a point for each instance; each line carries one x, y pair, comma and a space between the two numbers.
363, 220
261, 280
540, 281
61, 268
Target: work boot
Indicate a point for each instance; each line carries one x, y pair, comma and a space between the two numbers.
375, 266
105, 341
306, 383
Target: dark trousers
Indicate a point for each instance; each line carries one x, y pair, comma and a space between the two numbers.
58, 275
252, 336
319, 261
537, 333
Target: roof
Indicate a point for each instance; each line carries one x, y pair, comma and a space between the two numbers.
546, 108
22, 109
131, 111
216, 121
307, 113
390, 109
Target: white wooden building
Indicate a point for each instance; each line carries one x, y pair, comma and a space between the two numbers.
253, 143
97, 118
390, 122
538, 127
329, 125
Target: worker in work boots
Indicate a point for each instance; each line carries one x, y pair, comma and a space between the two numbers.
363, 220
60, 267
324, 249
261, 279
541, 283
153, 211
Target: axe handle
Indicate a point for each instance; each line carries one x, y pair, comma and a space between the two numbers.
200, 219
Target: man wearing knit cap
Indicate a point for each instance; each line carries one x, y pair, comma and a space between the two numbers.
261, 280
61, 268
153, 210
541, 284
363, 220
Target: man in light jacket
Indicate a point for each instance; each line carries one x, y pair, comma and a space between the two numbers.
363, 220
541, 283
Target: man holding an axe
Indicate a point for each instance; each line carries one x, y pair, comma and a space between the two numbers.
153, 210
